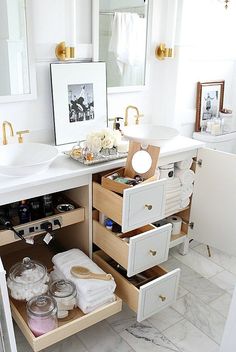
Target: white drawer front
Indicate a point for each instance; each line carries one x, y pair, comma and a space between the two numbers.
158, 294
148, 249
143, 204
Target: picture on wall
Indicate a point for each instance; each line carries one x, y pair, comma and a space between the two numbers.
210, 96
79, 100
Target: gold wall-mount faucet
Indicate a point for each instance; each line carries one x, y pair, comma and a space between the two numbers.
137, 116
4, 132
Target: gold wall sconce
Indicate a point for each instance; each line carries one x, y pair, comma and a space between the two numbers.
163, 52
64, 52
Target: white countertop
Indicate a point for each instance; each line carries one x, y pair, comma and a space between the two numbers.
64, 168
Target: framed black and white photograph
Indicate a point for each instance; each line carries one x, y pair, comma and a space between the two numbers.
210, 97
79, 100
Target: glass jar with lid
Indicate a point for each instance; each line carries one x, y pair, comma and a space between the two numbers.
64, 293
27, 279
42, 314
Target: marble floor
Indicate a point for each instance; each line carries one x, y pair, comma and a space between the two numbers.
194, 323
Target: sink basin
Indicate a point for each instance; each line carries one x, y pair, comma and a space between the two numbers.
25, 159
150, 134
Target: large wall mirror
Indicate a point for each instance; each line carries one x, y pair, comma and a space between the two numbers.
120, 30
16, 70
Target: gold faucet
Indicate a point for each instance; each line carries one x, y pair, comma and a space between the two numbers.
4, 134
137, 116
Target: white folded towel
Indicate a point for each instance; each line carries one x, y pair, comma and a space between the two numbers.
186, 176
171, 195
184, 203
186, 191
184, 164
74, 257
88, 307
173, 183
173, 203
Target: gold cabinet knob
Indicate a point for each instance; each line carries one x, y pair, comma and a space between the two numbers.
148, 206
153, 253
163, 298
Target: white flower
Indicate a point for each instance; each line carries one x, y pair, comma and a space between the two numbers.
104, 139
107, 142
95, 145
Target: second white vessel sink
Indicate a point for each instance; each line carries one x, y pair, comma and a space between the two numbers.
25, 159
150, 134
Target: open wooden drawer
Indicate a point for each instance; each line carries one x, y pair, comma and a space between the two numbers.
147, 247
157, 291
140, 205
33, 228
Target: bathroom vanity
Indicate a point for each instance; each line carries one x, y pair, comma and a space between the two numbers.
148, 246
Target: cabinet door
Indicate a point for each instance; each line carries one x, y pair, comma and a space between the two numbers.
8, 337
213, 209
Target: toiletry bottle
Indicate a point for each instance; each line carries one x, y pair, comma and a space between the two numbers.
48, 205
24, 212
36, 211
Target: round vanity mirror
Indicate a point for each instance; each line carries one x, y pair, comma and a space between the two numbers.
141, 162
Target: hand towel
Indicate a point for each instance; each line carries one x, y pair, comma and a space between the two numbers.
74, 257
184, 164
87, 307
174, 194
186, 191
186, 176
184, 203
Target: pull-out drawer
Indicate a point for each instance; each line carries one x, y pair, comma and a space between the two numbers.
140, 205
147, 247
147, 293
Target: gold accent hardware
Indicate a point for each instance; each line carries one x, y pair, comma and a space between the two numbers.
4, 134
153, 253
137, 116
162, 52
64, 52
163, 298
19, 134
148, 206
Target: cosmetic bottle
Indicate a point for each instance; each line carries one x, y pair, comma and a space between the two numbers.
35, 207
24, 212
48, 205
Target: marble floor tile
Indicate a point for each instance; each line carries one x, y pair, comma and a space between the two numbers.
165, 319
193, 244
222, 304
181, 292
144, 337
225, 280
102, 338
197, 262
123, 319
21, 342
190, 339
202, 316
228, 262
193, 282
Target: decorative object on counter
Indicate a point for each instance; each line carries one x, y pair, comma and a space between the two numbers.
123, 147
102, 141
124, 178
167, 171
64, 293
84, 273
227, 116
176, 222
42, 314
27, 279
210, 97
91, 294
79, 99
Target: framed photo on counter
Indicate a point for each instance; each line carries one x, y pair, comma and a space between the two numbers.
210, 97
79, 99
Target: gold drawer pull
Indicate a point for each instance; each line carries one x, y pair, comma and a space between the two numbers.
148, 206
153, 253
163, 298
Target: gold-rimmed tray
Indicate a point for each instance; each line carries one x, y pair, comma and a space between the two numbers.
98, 158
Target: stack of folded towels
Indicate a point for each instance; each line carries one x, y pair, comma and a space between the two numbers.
179, 188
91, 293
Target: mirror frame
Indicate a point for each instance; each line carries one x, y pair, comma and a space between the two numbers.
95, 43
31, 64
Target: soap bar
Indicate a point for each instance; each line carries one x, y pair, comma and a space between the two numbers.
123, 147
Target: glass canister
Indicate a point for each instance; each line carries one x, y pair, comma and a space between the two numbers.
42, 314
27, 279
64, 293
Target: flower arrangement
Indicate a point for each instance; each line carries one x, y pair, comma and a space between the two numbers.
102, 140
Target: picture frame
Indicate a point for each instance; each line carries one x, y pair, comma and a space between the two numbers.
79, 95
210, 98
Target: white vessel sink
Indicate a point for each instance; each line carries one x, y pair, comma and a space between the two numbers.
150, 134
25, 159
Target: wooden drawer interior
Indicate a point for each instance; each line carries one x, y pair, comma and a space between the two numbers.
78, 320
